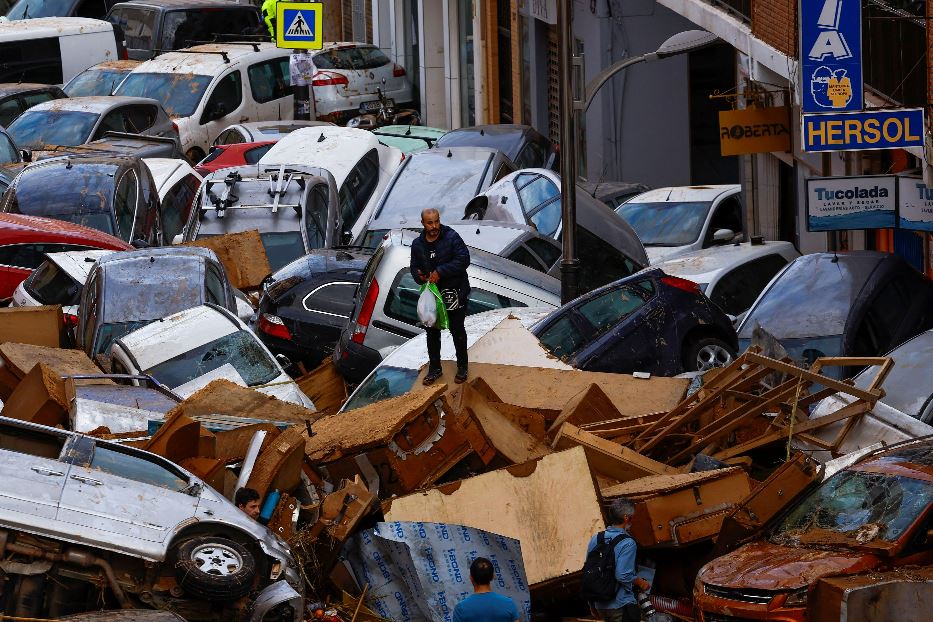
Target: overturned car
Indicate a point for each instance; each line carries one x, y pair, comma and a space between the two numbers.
87, 524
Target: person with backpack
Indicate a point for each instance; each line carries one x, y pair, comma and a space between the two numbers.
608, 582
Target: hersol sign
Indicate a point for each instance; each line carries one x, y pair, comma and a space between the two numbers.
840, 203
754, 130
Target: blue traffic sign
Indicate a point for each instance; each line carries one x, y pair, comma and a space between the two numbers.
831, 56
299, 25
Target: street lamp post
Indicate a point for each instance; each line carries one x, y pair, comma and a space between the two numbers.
571, 108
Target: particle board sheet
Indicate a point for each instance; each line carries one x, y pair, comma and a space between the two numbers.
550, 505
510, 343
42, 326
325, 387
20, 358
356, 430
242, 255
551, 389
222, 397
608, 458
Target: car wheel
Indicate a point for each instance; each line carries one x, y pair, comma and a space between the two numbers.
194, 155
215, 568
707, 353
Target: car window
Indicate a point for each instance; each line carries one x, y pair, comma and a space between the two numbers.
883, 318
533, 190
31, 256
31, 60
89, 308
269, 80
215, 288
563, 337
31, 99
95, 82
176, 207
239, 349
94, 9
548, 252
35, 129
402, 299
316, 216
594, 251
136, 468
547, 219
181, 29
124, 205
50, 285
331, 299
363, 57
230, 136
31, 442
525, 257
138, 26
358, 187
139, 118
112, 122
9, 110
8, 152
253, 155
532, 155
728, 215
737, 290
227, 96
384, 383
607, 310
179, 93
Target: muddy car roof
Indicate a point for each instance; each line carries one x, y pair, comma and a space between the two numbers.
54, 27
97, 104
207, 59
188, 4
13, 88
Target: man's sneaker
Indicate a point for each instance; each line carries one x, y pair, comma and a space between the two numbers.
462, 373
433, 374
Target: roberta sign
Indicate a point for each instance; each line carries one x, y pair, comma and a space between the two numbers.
839, 203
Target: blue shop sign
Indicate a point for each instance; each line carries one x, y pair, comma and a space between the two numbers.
859, 131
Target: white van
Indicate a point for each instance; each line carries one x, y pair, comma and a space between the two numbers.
207, 88
53, 50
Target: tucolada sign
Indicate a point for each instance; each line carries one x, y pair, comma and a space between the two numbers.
840, 203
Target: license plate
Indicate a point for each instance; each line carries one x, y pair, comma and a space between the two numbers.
374, 105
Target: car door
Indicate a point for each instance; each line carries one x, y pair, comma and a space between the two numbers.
224, 106
736, 290
270, 89
114, 492
33, 475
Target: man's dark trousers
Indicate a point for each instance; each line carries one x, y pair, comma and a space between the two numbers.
628, 613
457, 331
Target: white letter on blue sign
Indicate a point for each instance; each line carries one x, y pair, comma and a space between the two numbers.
830, 42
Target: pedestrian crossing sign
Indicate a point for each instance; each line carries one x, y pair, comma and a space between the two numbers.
299, 25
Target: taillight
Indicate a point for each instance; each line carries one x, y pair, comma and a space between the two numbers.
327, 78
124, 54
273, 326
398, 71
175, 127
684, 284
70, 320
366, 312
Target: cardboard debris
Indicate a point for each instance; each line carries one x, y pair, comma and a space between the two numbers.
278, 466
222, 397
178, 439
17, 359
40, 398
210, 470
505, 437
512, 344
550, 505
591, 405
242, 255
682, 508
41, 326
231, 445
609, 459
325, 387
343, 509
281, 523
405, 443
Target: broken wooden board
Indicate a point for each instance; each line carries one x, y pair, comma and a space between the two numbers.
672, 510
278, 466
550, 505
40, 397
242, 255
324, 387
178, 439
41, 326
591, 405
522, 347
549, 390
509, 440
17, 359
607, 458
231, 445
222, 397
902, 594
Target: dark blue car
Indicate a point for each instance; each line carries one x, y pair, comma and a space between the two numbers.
647, 322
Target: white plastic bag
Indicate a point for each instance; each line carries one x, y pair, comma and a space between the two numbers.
427, 308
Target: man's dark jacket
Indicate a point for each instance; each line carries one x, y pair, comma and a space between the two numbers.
448, 255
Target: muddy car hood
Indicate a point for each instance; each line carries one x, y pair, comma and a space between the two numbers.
766, 566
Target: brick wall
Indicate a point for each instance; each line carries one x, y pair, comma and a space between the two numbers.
775, 23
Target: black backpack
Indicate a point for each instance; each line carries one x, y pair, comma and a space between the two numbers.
598, 583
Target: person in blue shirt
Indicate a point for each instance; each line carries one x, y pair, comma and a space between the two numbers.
484, 605
622, 608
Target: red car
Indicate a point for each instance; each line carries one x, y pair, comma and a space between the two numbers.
238, 154
24, 240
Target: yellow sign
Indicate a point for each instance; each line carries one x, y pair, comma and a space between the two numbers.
299, 25
754, 130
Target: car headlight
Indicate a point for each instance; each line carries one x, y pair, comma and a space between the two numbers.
797, 599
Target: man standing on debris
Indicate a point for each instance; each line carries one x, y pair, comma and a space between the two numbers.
623, 606
484, 605
439, 256
247, 500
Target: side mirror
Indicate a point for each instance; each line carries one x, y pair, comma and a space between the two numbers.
283, 361
723, 235
26, 155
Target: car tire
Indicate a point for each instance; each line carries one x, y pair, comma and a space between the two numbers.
194, 155
215, 568
706, 353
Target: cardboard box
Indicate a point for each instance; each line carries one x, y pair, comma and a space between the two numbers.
41, 397
673, 510
550, 505
242, 255
41, 326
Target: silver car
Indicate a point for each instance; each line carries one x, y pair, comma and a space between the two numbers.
80, 513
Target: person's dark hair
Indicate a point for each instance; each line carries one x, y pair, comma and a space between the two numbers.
245, 495
481, 570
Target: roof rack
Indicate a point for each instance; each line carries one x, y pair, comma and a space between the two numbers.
220, 52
